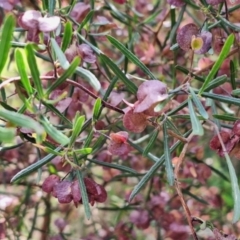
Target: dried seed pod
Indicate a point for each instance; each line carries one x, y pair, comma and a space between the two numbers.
184, 36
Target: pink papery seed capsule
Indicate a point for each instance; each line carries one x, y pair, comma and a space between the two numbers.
49, 183
62, 190
76, 193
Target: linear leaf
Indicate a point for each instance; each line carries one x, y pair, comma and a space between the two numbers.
83, 191
225, 117
86, 20
84, 195
21, 120
216, 82
152, 170
54, 133
67, 36
130, 85
236, 92
51, 6
70, 71
26, 171
196, 125
97, 108
59, 114
113, 165
198, 104
173, 127
221, 98
233, 75
151, 142
168, 161
60, 55
77, 127
34, 70
6, 38
223, 54
82, 151
90, 77
130, 56
235, 189
22, 71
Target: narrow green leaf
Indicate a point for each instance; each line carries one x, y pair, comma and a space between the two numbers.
94, 48
91, 79
6, 37
179, 107
55, 134
50, 150
86, 20
151, 18
83, 191
60, 55
34, 70
168, 161
225, 22
198, 104
151, 142
77, 127
117, 14
26, 171
45, 4
67, 36
146, 177
233, 75
130, 56
236, 92
97, 109
7, 135
221, 98
153, 169
110, 88
187, 192
65, 75
176, 24
216, 82
22, 71
83, 151
3, 93
129, 85
225, 117
224, 52
235, 189
89, 138
174, 47
59, 114
113, 165
21, 120
51, 6
219, 173
172, 126
196, 125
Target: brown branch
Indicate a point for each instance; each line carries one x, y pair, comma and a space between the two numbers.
104, 103
76, 84
178, 188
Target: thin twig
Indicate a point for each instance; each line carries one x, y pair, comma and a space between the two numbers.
178, 188
76, 84
104, 103
235, 50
